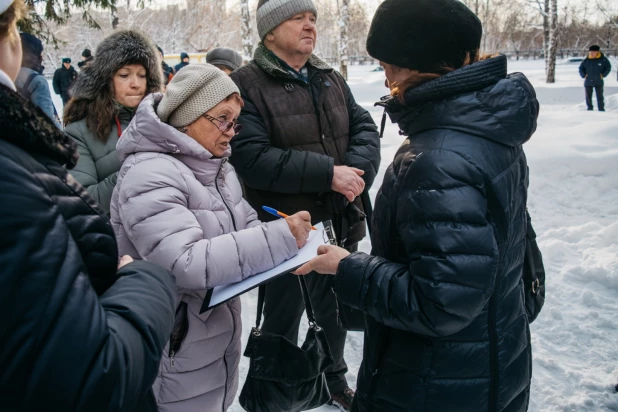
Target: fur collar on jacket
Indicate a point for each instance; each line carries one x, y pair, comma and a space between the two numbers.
264, 58
117, 50
26, 126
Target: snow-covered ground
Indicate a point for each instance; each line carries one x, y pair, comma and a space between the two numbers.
573, 201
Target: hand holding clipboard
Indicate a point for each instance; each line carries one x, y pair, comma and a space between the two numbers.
324, 234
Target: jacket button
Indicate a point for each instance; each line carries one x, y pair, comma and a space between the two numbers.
323, 137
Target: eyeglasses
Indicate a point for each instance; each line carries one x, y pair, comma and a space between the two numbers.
224, 126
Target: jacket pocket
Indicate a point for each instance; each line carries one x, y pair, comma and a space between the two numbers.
179, 333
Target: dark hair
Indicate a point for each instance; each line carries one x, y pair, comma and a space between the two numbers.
99, 113
86, 53
12, 15
418, 78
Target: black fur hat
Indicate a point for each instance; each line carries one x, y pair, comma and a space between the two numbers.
595, 47
116, 50
423, 35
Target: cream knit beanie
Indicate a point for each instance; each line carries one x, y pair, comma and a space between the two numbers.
196, 89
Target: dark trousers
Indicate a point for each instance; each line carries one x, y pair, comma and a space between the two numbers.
600, 101
65, 98
284, 307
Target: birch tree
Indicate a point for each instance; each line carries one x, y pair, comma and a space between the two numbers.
344, 18
247, 35
553, 42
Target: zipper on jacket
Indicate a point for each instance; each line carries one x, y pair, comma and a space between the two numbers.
493, 352
314, 99
225, 359
494, 371
224, 386
224, 161
179, 332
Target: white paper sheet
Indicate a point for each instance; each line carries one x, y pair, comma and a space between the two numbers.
221, 294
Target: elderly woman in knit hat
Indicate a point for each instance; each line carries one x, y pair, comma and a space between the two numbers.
178, 203
447, 328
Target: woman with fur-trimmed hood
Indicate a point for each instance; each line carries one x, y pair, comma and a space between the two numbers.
105, 97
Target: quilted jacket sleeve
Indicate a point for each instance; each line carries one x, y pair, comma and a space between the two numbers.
154, 211
441, 220
85, 172
63, 347
265, 167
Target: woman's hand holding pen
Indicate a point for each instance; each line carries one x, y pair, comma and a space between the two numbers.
300, 226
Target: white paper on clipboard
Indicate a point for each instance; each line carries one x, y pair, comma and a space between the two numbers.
220, 294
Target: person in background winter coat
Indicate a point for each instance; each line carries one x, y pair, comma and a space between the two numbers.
105, 97
184, 62
447, 329
179, 203
224, 58
64, 77
594, 69
306, 145
77, 333
30, 82
87, 58
168, 71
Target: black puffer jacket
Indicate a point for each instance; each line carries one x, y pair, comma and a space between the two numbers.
447, 329
75, 333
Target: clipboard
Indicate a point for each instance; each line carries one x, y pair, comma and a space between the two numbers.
324, 234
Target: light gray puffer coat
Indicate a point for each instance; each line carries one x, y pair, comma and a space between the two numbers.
176, 205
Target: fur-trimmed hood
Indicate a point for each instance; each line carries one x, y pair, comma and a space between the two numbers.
116, 50
26, 126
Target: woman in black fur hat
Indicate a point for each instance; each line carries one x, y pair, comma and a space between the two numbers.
77, 333
107, 92
446, 326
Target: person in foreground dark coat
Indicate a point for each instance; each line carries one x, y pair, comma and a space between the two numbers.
76, 334
444, 302
594, 69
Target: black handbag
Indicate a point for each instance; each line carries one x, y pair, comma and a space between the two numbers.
282, 376
533, 275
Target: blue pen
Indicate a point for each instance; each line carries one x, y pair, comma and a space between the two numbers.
277, 213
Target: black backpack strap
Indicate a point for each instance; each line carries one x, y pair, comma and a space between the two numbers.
260, 306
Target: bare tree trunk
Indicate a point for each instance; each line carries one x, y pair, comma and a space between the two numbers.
220, 13
344, 18
247, 35
114, 17
546, 34
485, 22
553, 42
